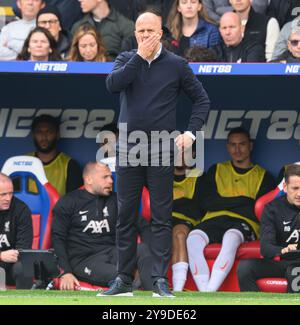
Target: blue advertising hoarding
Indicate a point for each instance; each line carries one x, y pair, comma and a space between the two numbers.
262, 97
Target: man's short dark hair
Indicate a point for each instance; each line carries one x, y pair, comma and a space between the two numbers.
45, 118
239, 130
291, 170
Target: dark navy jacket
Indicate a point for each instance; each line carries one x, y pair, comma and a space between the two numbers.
149, 93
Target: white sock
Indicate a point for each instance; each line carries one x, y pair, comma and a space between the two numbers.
232, 239
179, 275
196, 242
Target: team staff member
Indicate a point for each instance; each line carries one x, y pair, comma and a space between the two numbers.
280, 227
15, 233
149, 81
83, 230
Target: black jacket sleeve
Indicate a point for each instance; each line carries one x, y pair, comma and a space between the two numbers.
60, 226
255, 53
124, 72
268, 244
24, 230
74, 176
266, 186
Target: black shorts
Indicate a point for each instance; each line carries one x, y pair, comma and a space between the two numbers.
215, 228
177, 221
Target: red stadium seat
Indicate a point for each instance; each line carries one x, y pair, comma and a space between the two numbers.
25, 169
277, 285
245, 251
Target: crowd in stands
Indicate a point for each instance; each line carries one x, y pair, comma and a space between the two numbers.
255, 31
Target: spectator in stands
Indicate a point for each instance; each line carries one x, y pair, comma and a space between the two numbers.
280, 226
284, 10
40, 45
260, 6
190, 25
49, 17
230, 191
216, 8
62, 171
163, 5
113, 27
15, 233
84, 232
258, 27
70, 11
87, 45
129, 8
282, 41
235, 48
199, 53
187, 212
292, 55
13, 35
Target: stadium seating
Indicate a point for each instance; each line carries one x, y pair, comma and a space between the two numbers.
25, 169
245, 251
278, 285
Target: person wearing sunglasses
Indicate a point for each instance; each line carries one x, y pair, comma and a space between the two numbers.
292, 54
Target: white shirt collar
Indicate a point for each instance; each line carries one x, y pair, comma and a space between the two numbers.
156, 55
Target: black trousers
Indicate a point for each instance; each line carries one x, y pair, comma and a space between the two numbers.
98, 269
251, 270
130, 182
14, 273
101, 268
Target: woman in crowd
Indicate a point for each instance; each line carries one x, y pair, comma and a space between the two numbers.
87, 45
40, 45
190, 25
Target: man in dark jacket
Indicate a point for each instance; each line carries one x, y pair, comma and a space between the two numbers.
83, 232
284, 10
113, 27
149, 81
280, 229
49, 17
15, 234
258, 27
234, 48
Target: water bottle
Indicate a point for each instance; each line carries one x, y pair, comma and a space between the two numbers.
2, 279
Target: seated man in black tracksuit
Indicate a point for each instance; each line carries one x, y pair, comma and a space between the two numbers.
83, 232
280, 227
15, 234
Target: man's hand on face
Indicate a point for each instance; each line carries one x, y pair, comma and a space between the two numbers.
147, 47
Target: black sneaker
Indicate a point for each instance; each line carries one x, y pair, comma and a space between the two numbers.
118, 288
161, 289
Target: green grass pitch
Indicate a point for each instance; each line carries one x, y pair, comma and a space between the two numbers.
42, 297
